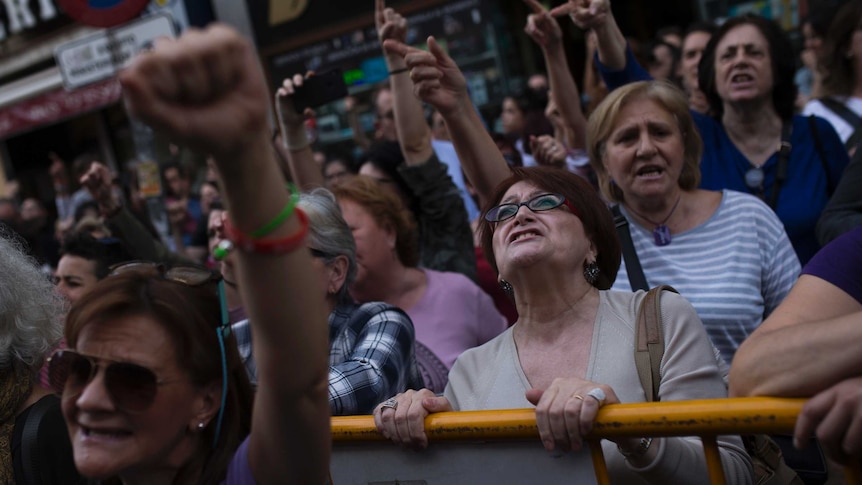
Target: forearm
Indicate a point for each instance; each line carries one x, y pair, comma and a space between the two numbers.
300, 158
480, 158
566, 95
799, 360
414, 135
611, 45
680, 461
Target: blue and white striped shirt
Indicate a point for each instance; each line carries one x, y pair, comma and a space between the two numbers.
735, 268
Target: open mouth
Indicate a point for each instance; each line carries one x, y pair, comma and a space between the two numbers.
522, 235
650, 172
106, 433
741, 78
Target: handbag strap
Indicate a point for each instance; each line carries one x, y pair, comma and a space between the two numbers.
850, 117
649, 342
783, 160
818, 145
34, 473
637, 279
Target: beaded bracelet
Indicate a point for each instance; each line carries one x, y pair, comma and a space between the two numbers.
281, 217
269, 246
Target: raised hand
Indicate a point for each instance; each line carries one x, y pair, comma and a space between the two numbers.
97, 180
437, 80
204, 90
541, 26
403, 421
284, 102
586, 14
390, 24
547, 150
565, 411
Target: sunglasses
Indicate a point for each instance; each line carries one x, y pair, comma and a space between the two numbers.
539, 203
132, 387
188, 275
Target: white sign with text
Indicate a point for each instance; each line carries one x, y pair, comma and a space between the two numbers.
101, 55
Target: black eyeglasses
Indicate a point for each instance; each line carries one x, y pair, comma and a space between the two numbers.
539, 203
132, 387
316, 253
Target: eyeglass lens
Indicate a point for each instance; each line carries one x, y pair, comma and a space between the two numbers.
542, 202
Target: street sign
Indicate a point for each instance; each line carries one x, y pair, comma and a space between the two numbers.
103, 54
102, 13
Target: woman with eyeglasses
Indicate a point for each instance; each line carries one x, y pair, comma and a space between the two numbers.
554, 245
752, 140
35, 446
153, 388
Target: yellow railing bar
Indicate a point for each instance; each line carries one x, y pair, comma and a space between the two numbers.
599, 464
704, 418
678, 418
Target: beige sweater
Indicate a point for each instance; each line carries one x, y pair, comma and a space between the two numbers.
490, 377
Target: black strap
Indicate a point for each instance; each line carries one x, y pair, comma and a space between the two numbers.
818, 145
845, 113
637, 279
783, 159
34, 474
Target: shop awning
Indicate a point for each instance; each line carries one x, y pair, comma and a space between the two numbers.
56, 105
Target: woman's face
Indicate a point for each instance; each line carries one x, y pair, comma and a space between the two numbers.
375, 245
108, 441
644, 153
743, 66
512, 117
335, 174
662, 65
554, 237
692, 51
209, 194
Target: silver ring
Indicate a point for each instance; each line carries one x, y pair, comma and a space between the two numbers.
391, 403
598, 394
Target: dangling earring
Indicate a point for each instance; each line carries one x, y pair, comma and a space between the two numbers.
591, 272
507, 287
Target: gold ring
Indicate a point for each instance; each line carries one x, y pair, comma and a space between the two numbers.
578, 396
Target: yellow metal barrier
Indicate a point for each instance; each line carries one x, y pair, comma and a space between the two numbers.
705, 418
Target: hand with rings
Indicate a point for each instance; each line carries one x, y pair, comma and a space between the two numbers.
566, 410
402, 418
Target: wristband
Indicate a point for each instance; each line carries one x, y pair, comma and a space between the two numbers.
300, 146
399, 71
281, 217
269, 246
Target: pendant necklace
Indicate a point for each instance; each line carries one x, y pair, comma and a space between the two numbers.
661, 233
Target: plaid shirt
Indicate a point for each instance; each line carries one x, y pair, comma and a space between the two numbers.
371, 356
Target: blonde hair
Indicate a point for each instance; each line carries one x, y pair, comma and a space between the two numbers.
604, 119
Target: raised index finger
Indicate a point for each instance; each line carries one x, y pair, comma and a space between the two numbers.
535, 6
379, 7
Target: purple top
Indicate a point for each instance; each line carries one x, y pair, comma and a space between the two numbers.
840, 263
239, 471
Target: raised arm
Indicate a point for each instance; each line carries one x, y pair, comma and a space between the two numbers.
300, 159
207, 91
545, 31
414, 135
438, 82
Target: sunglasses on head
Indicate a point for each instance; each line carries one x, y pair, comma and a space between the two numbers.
539, 203
132, 387
184, 274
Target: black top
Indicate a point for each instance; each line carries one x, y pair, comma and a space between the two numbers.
54, 463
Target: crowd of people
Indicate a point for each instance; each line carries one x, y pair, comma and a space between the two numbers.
377, 285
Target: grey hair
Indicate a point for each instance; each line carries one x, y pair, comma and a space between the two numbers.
30, 309
329, 233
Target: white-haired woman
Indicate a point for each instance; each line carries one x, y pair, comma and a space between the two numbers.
30, 326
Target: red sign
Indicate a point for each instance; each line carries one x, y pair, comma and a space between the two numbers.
102, 13
57, 105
